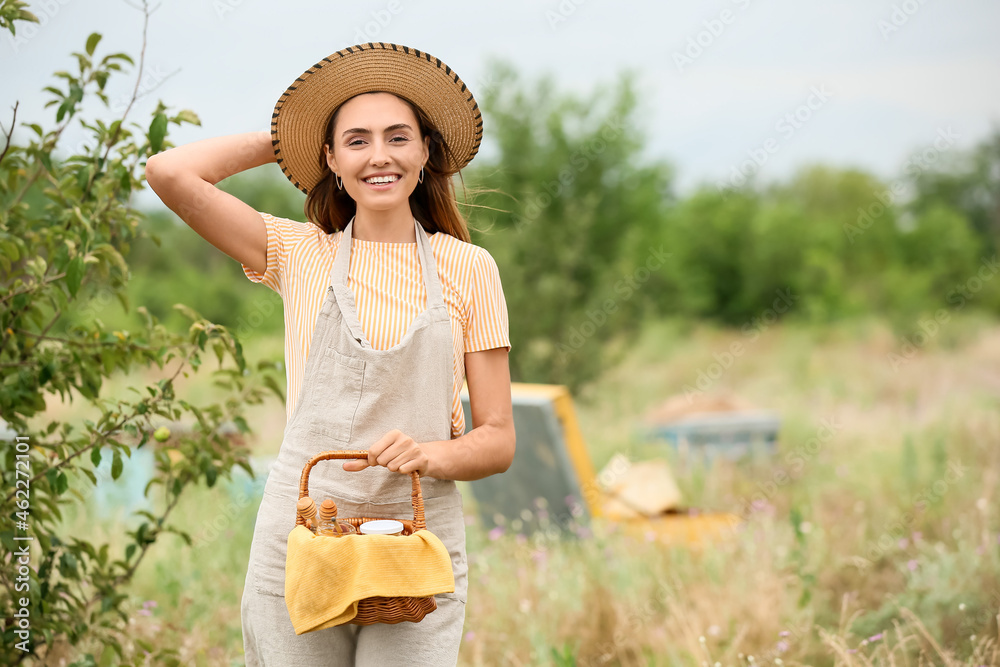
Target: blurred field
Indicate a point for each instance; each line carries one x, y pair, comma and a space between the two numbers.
878, 542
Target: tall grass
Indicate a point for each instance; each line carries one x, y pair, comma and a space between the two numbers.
871, 537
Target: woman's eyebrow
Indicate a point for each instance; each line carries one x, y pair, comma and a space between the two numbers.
363, 130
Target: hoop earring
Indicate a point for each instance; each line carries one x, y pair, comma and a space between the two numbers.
340, 183
420, 178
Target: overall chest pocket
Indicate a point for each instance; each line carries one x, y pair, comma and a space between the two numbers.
339, 395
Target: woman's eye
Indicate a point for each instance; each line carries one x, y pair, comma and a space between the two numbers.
355, 142
400, 137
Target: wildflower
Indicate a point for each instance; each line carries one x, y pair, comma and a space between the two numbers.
521, 539
650, 536
470, 635
144, 612
149, 603
714, 630
701, 640
903, 543
495, 533
784, 633
781, 646
912, 564
961, 606
805, 527
875, 638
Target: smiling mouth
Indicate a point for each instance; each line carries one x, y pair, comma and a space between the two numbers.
381, 180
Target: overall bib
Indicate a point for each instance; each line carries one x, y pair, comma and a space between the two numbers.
351, 396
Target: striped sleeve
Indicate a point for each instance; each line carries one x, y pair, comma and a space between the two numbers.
283, 236
275, 253
487, 326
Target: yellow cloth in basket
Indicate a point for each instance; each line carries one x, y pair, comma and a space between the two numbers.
325, 577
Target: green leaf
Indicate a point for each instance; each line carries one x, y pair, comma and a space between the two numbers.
95, 456
187, 116
92, 41
74, 275
129, 550
157, 131
46, 161
118, 56
116, 465
62, 483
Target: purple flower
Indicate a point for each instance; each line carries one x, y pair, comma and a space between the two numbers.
875, 638
903, 543
145, 612
912, 564
782, 646
470, 635
495, 533
784, 633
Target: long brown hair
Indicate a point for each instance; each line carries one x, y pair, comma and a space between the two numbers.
432, 202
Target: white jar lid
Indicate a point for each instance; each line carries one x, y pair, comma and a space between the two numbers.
382, 527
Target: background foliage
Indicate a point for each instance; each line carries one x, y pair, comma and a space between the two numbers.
579, 220
66, 225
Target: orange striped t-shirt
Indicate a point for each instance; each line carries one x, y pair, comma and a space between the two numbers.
389, 293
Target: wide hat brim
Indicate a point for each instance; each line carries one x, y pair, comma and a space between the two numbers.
302, 112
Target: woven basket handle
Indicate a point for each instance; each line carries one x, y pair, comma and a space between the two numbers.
416, 497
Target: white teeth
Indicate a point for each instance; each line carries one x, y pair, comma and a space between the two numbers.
381, 179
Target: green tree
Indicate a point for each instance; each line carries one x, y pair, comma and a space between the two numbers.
65, 225
967, 181
568, 222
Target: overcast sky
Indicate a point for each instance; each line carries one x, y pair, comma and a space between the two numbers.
869, 80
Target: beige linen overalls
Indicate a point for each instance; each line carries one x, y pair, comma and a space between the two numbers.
351, 396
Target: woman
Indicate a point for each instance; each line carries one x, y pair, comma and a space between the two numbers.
388, 308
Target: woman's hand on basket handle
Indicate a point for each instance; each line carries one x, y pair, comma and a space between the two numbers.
486, 450
396, 451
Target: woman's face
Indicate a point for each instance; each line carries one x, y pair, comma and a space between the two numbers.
377, 150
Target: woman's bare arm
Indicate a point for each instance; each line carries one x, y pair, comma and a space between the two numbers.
184, 178
486, 450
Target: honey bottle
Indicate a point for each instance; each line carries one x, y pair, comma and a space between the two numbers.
328, 524
306, 509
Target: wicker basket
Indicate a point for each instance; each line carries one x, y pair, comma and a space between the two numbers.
379, 609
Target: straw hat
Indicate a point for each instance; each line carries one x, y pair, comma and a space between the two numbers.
301, 114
